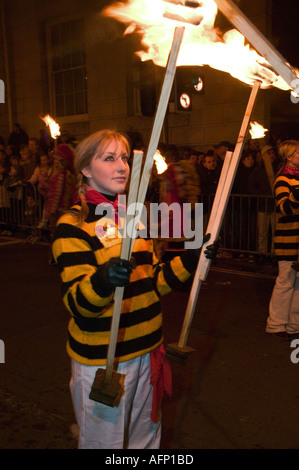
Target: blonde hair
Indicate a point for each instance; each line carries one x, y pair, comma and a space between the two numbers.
285, 151
96, 143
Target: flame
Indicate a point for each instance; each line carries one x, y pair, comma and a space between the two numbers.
202, 43
257, 131
53, 126
160, 162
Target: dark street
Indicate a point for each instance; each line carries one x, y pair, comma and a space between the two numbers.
238, 390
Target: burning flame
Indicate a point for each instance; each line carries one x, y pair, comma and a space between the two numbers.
257, 131
202, 43
53, 126
160, 162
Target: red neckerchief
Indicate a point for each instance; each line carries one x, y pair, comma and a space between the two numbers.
291, 170
95, 197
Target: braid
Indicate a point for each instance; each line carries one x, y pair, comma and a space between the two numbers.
81, 192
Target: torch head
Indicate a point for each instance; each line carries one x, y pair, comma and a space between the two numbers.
185, 11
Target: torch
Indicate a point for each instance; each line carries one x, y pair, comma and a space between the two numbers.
180, 351
53, 126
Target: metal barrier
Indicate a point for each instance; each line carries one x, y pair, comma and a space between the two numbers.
20, 208
248, 225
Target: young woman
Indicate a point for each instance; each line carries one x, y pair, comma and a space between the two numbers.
283, 319
91, 268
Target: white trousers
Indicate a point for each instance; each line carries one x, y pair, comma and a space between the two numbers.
264, 221
127, 426
284, 302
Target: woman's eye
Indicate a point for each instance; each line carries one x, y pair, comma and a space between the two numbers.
125, 158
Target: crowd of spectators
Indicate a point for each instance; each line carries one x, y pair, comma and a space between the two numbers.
33, 176
37, 181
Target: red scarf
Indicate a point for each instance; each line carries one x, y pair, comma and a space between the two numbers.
94, 197
291, 170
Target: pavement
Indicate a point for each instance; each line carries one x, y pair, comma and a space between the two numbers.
238, 390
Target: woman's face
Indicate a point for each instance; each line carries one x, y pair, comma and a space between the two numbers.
294, 159
109, 173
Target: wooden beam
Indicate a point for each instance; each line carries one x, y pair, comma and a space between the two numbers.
224, 187
160, 115
263, 46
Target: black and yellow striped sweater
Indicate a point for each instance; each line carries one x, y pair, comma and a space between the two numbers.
286, 240
80, 256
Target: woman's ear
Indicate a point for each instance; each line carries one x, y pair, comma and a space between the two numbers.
86, 172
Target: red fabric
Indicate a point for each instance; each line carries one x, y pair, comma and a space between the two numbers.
160, 379
291, 170
94, 197
65, 152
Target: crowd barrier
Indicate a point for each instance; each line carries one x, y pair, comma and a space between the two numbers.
20, 209
248, 225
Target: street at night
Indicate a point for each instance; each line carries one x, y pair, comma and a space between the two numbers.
237, 390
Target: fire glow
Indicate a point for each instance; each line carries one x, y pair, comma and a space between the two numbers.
257, 131
203, 44
53, 126
160, 162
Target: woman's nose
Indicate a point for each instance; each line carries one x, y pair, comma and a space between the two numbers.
121, 165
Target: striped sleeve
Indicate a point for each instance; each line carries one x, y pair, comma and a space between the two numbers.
172, 274
286, 203
85, 291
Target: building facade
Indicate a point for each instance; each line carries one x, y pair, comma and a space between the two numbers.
64, 58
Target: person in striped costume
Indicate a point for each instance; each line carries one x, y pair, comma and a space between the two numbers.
283, 318
90, 268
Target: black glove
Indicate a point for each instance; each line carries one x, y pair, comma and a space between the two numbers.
117, 271
295, 192
211, 250
190, 257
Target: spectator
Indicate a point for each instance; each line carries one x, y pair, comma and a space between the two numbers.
15, 194
44, 142
221, 149
62, 184
34, 149
4, 200
209, 174
244, 207
10, 150
41, 179
28, 164
17, 137
3, 157
260, 183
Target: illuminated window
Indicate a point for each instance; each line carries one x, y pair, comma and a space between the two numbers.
68, 74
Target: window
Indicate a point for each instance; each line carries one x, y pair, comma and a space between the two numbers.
68, 68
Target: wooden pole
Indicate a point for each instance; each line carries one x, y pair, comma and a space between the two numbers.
125, 254
239, 20
216, 217
160, 114
138, 191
